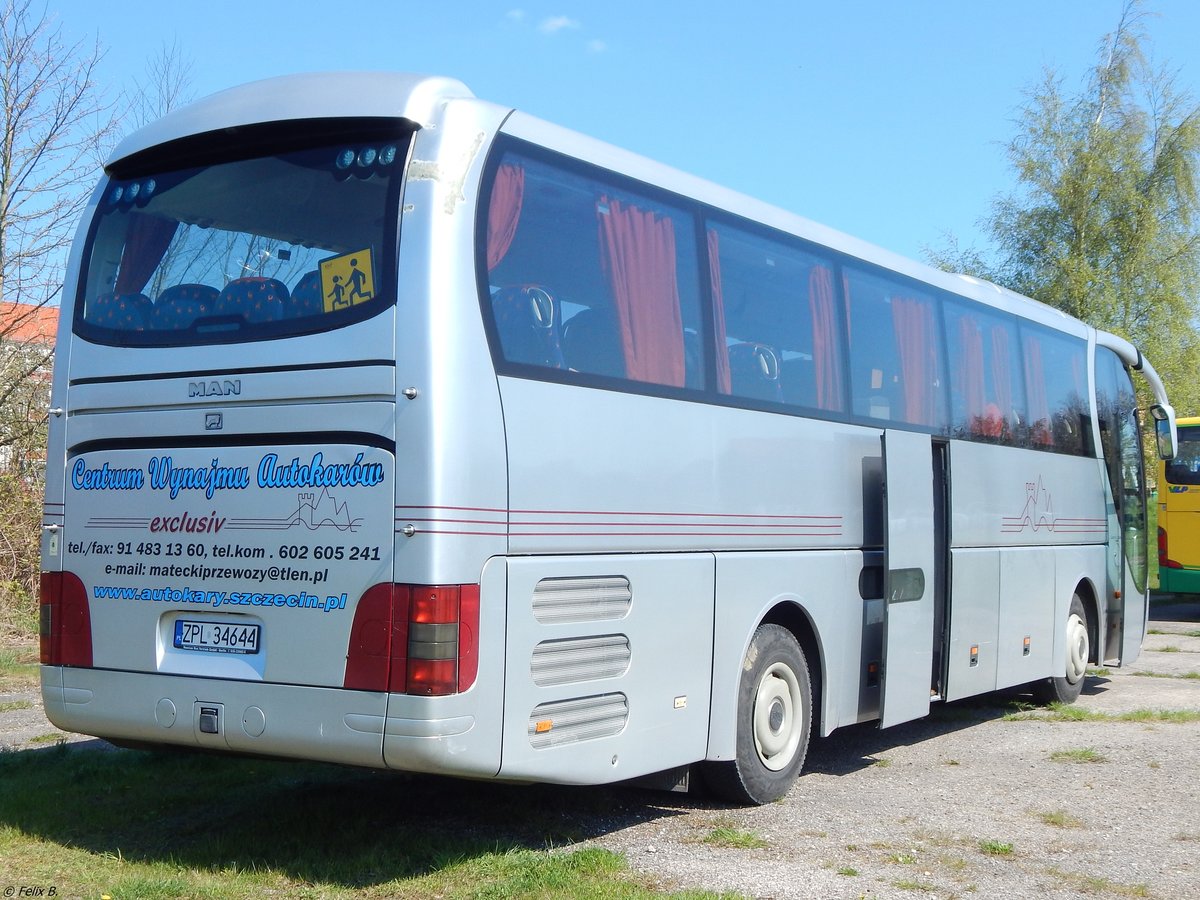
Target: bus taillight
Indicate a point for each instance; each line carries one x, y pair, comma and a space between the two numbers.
65, 621
415, 639
443, 623
1164, 561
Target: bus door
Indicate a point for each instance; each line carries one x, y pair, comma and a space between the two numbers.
1121, 444
910, 552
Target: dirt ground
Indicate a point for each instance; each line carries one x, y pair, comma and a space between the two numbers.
971, 801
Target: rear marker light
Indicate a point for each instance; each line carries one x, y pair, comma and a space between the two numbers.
65, 621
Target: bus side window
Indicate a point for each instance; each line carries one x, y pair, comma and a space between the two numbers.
896, 368
1056, 391
778, 332
987, 394
588, 276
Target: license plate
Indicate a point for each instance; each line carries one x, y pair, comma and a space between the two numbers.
216, 637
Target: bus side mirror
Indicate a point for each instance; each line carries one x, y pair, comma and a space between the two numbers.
1164, 430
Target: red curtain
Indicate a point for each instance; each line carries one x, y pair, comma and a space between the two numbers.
1002, 373
846, 300
146, 243
724, 377
970, 374
913, 322
1035, 387
826, 365
637, 250
504, 211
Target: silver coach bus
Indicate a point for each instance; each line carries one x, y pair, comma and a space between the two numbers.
396, 428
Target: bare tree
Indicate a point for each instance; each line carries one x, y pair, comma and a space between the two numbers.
53, 122
53, 125
167, 85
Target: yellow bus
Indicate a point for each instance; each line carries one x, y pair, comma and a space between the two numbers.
1179, 514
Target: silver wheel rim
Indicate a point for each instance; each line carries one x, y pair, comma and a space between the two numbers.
778, 717
1078, 647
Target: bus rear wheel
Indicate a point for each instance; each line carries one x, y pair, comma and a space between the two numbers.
1066, 688
774, 717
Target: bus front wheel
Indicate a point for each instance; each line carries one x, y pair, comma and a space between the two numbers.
774, 717
1066, 688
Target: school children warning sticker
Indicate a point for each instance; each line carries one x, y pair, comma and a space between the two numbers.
347, 280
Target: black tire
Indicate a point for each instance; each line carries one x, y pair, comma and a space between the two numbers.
774, 719
1066, 688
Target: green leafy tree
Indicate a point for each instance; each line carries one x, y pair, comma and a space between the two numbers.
1103, 222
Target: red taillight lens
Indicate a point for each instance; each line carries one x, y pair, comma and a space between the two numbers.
65, 621
415, 639
368, 656
1165, 561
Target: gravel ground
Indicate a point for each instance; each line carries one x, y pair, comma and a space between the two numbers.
962, 803
968, 803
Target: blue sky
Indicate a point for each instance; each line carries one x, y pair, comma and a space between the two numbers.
886, 119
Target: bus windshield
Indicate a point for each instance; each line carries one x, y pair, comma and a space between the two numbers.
246, 248
1185, 467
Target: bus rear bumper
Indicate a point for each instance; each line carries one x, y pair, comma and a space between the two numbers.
296, 721
1178, 581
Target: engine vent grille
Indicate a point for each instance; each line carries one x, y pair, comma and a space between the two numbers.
574, 721
580, 659
595, 599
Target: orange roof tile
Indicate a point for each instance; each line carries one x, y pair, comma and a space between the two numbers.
28, 324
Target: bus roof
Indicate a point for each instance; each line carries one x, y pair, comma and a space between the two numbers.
419, 98
307, 96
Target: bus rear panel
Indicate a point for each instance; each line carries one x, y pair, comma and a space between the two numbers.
1179, 514
221, 522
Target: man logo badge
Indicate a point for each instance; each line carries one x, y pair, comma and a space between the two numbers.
213, 422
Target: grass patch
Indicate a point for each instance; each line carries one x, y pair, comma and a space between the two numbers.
132, 824
1176, 716
52, 737
848, 871
882, 762
18, 666
1170, 648
1060, 818
1081, 755
14, 705
1094, 884
995, 848
954, 863
726, 836
1063, 712
912, 884
1186, 676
